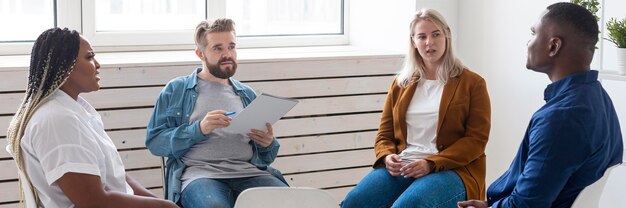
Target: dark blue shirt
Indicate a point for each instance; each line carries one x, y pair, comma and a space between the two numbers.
568, 145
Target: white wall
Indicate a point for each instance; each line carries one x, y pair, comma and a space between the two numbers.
493, 43
379, 24
384, 25
615, 9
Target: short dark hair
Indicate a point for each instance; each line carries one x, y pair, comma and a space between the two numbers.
577, 17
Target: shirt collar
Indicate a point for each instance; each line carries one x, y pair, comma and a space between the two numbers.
194, 81
194, 78
79, 105
560, 86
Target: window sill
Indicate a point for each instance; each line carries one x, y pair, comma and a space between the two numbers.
187, 57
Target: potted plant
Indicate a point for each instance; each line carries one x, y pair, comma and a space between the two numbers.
617, 35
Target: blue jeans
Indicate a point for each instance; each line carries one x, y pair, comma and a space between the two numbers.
381, 190
206, 192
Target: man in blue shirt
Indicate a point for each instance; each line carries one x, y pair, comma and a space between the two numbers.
208, 165
575, 136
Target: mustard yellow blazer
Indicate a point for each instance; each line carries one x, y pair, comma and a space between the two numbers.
462, 130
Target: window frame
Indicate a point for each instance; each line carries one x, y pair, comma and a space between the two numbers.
80, 15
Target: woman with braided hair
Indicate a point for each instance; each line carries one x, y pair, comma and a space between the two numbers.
57, 138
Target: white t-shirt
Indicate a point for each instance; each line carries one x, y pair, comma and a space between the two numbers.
421, 119
66, 136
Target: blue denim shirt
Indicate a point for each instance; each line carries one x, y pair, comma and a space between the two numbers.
169, 133
568, 145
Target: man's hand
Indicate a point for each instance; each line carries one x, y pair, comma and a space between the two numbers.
416, 169
263, 138
472, 204
393, 163
213, 120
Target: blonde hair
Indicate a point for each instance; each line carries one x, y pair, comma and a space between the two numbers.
52, 59
413, 67
206, 26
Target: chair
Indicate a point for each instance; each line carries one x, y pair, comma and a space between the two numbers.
285, 197
590, 196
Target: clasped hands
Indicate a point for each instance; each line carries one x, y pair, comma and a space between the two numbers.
216, 119
415, 169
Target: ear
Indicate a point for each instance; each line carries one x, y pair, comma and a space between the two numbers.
555, 46
199, 54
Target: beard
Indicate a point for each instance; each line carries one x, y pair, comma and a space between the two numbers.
217, 71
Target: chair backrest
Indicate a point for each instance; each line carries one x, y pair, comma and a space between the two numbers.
285, 197
590, 196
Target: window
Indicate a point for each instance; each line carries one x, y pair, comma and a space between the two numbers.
147, 15
126, 25
285, 17
145, 23
24, 20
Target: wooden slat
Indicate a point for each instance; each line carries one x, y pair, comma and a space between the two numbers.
248, 71
9, 191
323, 143
125, 97
148, 177
135, 97
325, 87
138, 118
255, 71
104, 98
127, 139
131, 139
346, 104
129, 118
9, 170
139, 159
325, 161
9, 102
330, 124
13, 205
326, 179
3, 152
13, 80
339, 193
315, 69
142, 76
4, 125
158, 192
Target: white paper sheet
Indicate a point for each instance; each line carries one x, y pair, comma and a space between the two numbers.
265, 108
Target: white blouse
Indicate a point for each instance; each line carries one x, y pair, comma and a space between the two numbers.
65, 136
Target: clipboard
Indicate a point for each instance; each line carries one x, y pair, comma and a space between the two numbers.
265, 108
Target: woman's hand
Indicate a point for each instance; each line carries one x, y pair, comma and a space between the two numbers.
472, 204
417, 169
393, 163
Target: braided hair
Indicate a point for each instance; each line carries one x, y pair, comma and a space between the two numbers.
52, 60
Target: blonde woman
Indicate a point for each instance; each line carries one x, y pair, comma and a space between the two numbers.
434, 128
57, 139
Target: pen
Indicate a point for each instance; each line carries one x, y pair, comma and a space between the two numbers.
229, 113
